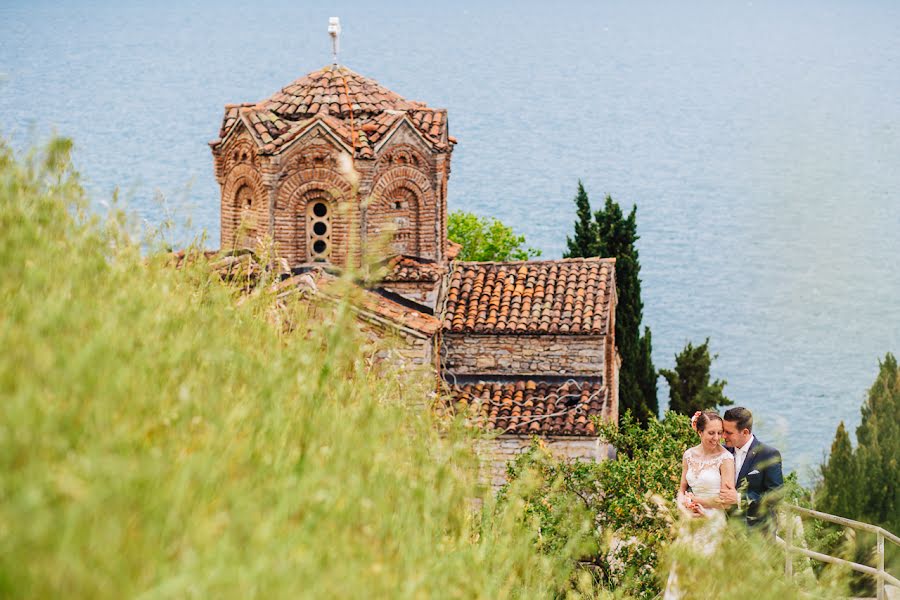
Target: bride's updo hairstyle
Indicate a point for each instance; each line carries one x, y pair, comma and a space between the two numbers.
702, 418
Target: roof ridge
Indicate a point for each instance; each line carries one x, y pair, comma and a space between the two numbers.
598, 259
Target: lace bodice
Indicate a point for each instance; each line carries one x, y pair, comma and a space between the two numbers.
703, 473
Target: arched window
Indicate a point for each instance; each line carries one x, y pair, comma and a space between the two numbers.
245, 225
404, 220
318, 229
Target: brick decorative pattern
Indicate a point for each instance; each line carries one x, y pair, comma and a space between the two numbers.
531, 407
569, 296
381, 161
244, 206
543, 355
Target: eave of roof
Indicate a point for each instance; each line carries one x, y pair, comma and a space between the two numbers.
529, 406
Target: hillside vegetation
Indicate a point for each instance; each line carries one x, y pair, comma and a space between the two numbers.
161, 439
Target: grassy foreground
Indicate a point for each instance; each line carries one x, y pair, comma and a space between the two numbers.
159, 439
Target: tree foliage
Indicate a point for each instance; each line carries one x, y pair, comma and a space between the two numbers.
585, 240
487, 239
621, 497
864, 484
629, 500
609, 233
689, 387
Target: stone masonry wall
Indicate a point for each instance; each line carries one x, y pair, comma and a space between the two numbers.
400, 346
570, 355
495, 454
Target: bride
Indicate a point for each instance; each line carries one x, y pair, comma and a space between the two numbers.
706, 470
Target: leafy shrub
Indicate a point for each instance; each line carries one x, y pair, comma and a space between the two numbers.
486, 238
620, 498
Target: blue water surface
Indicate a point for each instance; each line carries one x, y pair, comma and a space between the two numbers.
759, 140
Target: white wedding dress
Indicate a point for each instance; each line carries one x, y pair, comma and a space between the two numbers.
704, 476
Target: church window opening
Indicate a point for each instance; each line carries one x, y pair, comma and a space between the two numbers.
318, 230
245, 227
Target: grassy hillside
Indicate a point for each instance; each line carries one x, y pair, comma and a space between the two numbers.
159, 439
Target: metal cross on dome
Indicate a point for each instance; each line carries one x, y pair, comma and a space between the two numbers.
334, 30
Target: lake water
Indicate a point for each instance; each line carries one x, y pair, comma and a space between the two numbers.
759, 140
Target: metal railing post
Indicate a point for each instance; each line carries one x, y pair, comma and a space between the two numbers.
789, 542
880, 550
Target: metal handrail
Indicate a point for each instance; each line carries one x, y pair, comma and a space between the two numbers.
881, 576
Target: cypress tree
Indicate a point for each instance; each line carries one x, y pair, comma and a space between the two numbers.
616, 237
865, 484
839, 494
878, 452
689, 386
610, 234
585, 240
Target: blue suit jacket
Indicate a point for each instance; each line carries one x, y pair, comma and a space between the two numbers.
760, 475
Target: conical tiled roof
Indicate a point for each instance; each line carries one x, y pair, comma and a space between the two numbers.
358, 110
337, 91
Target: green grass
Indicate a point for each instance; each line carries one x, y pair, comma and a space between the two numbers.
159, 439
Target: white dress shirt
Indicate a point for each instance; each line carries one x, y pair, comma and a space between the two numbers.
739, 455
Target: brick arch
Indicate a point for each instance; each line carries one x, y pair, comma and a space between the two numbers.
240, 176
290, 213
403, 154
240, 151
399, 183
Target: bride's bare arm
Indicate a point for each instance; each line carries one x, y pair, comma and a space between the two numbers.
727, 494
685, 499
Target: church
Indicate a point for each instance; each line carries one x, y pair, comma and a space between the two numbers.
337, 170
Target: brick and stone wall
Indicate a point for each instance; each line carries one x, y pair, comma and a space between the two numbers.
495, 454
400, 344
395, 204
554, 355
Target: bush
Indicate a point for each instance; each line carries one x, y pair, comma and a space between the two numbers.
486, 239
620, 499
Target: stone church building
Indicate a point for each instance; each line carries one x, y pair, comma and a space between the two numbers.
334, 168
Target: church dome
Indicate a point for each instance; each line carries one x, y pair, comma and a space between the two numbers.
339, 92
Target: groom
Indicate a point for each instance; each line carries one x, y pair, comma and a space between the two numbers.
757, 469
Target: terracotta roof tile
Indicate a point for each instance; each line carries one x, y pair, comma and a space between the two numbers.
367, 302
406, 268
570, 296
529, 406
360, 110
399, 314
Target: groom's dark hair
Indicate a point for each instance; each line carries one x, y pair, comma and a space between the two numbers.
741, 417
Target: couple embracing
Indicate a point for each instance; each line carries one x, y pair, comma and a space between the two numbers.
734, 478
716, 481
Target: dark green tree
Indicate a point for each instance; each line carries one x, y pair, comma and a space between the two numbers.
611, 234
689, 387
840, 494
616, 237
585, 240
865, 484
